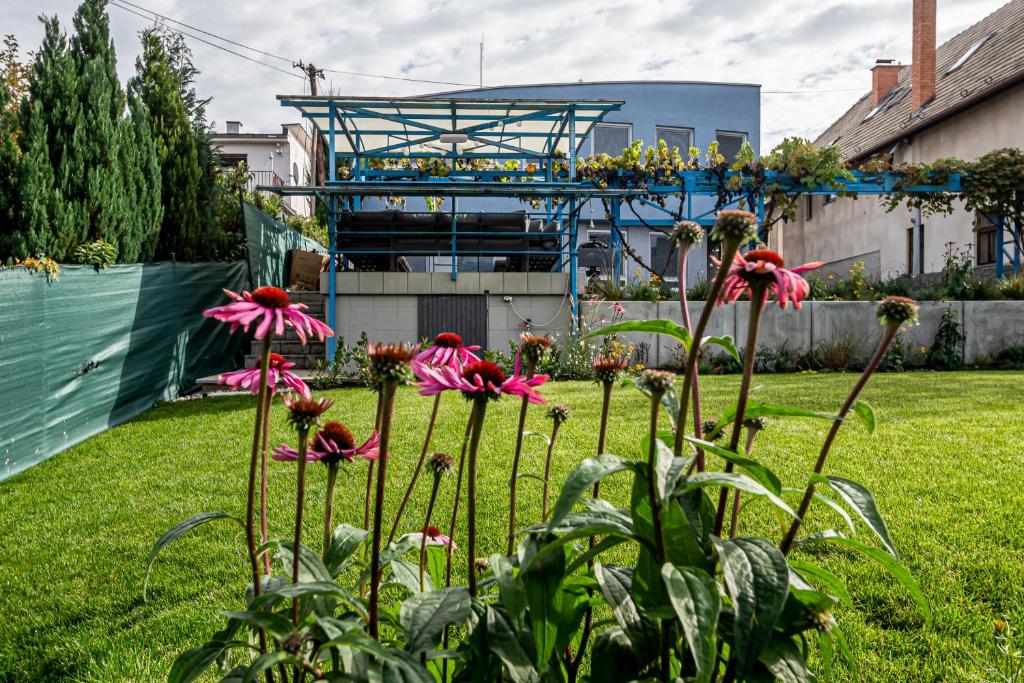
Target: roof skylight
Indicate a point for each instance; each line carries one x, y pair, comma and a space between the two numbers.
967, 55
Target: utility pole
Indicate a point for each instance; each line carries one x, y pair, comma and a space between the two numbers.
313, 74
481, 60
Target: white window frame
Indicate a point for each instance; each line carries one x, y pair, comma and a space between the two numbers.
608, 124
676, 129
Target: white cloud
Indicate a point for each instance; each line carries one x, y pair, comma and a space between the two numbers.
825, 47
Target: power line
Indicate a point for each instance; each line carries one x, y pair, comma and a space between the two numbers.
114, 3
120, 4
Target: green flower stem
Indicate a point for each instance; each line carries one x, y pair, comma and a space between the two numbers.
652, 484
250, 506
890, 333
368, 496
451, 530
572, 664
332, 478
757, 291
688, 324
479, 412
531, 367
389, 388
735, 519
729, 249
264, 535
426, 523
547, 468
300, 504
419, 467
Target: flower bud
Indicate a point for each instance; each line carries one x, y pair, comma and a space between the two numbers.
608, 369
440, 464
533, 346
687, 234
559, 413
735, 225
897, 310
390, 361
657, 381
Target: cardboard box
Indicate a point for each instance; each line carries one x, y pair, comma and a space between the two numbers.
304, 272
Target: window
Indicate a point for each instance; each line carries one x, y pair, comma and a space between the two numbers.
664, 258
809, 210
985, 239
967, 55
729, 144
602, 236
910, 251
233, 160
676, 137
829, 198
611, 138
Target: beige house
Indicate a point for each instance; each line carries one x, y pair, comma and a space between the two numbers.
963, 99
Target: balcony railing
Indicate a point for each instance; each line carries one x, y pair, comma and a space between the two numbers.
262, 178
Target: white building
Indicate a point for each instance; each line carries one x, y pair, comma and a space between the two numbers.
272, 158
963, 99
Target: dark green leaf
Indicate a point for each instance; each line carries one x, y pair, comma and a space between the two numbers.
616, 584
831, 582
725, 342
408, 574
866, 413
513, 596
740, 482
274, 624
695, 599
189, 665
540, 575
613, 658
887, 561
667, 327
502, 641
832, 504
757, 577
345, 540
176, 531
581, 480
266, 661
311, 567
784, 660
756, 470
756, 408
669, 401
424, 616
863, 503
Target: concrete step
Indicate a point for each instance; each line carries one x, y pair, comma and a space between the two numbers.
209, 385
302, 361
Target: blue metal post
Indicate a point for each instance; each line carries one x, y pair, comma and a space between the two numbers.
616, 246
455, 259
762, 234
332, 227
1000, 247
332, 159
573, 267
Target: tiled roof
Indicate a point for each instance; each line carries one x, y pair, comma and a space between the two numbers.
997, 64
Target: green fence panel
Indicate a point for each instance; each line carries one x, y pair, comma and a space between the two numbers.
269, 242
94, 349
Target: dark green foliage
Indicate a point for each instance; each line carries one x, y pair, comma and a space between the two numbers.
947, 349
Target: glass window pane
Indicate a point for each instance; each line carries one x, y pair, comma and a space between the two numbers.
664, 259
729, 144
676, 137
610, 139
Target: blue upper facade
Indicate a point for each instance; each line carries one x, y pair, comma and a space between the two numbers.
683, 113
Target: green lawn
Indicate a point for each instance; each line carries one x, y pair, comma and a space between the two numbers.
945, 465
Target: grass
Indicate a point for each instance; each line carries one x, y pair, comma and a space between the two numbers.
944, 463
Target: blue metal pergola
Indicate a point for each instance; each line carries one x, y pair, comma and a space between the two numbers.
369, 140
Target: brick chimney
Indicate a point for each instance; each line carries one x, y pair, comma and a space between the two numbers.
922, 70
884, 75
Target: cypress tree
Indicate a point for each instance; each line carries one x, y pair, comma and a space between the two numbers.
158, 87
50, 221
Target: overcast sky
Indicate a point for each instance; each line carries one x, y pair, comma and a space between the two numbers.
823, 49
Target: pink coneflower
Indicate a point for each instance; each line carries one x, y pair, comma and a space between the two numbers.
279, 370
618, 308
479, 379
272, 307
333, 443
304, 412
764, 268
448, 349
433, 536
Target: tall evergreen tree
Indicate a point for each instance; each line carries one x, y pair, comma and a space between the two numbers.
50, 221
158, 87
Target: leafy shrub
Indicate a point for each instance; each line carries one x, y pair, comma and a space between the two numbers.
350, 366
1010, 359
1013, 287
946, 350
699, 290
98, 254
841, 351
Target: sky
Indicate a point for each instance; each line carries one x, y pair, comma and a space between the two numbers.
811, 57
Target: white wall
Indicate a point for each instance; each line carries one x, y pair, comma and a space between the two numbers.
276, 154
850, 227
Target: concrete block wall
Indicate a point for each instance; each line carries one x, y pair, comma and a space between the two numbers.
989, 326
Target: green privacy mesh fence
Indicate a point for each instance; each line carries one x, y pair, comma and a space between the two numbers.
94, 349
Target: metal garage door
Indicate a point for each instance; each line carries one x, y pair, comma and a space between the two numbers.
464, 314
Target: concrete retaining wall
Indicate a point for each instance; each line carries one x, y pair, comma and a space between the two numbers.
989, 326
